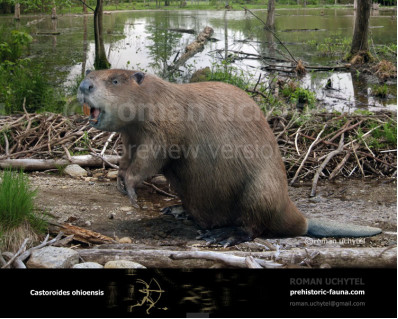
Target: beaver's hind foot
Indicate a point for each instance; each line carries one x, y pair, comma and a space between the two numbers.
177, 211
226, 236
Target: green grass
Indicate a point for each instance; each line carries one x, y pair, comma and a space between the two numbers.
297, 95
380, 91
17, 202
335, 45
382, 136
229, 74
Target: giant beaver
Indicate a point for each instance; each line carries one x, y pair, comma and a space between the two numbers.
215, 147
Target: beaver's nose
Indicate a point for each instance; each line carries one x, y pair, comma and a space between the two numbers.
86, 86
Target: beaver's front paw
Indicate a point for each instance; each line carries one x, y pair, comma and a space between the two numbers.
133, 196
121, 186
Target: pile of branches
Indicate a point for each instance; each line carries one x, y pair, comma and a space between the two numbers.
327, 145
321, 144
48, 136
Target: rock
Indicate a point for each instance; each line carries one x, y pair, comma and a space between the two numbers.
53, 257
112, 175
75, 170
315, 199
159, 180
123, 264
125, 209
88, 265
125, 240
87, 223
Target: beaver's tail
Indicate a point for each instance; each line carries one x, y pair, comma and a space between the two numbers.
327, 228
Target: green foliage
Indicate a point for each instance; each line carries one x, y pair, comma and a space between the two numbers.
20, 79
363, 112
382, 136
225, 73
380, 91
13, 45
303, 96
61, 169
335, 45
303, 118
387, 133
288, 89
16, 202
297, 95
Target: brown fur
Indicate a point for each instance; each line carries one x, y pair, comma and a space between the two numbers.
231, 188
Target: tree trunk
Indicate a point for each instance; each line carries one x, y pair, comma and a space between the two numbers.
84, 7
17, 13
361, 28
100, 62
85, 46
54, 13
270, 24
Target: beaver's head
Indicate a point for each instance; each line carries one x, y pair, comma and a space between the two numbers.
106, 95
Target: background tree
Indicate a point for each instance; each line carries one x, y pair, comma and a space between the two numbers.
359, 45
271, 15
100, 61
17, 11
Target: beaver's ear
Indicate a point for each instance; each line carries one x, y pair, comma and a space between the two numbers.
138, 77
88, 71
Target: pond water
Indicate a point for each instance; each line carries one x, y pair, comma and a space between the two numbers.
144, 40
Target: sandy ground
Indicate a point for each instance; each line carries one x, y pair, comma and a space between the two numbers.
94, 203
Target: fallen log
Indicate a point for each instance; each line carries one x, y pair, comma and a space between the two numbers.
226, 259
333, 257
81, 234
30, 164
48, 33
190, 31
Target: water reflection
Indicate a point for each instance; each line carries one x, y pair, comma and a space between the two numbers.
143, 40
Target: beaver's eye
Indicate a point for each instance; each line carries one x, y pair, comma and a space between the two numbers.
114, 81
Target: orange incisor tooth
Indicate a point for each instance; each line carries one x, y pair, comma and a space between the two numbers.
86, 109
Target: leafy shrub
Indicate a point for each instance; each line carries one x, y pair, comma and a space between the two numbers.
21, 79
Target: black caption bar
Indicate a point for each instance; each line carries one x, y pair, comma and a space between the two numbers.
199, 293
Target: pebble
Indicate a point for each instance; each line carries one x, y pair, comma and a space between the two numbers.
123, 264
125, 240
112, 175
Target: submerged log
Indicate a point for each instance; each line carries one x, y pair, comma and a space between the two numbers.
190, 31
193, 47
